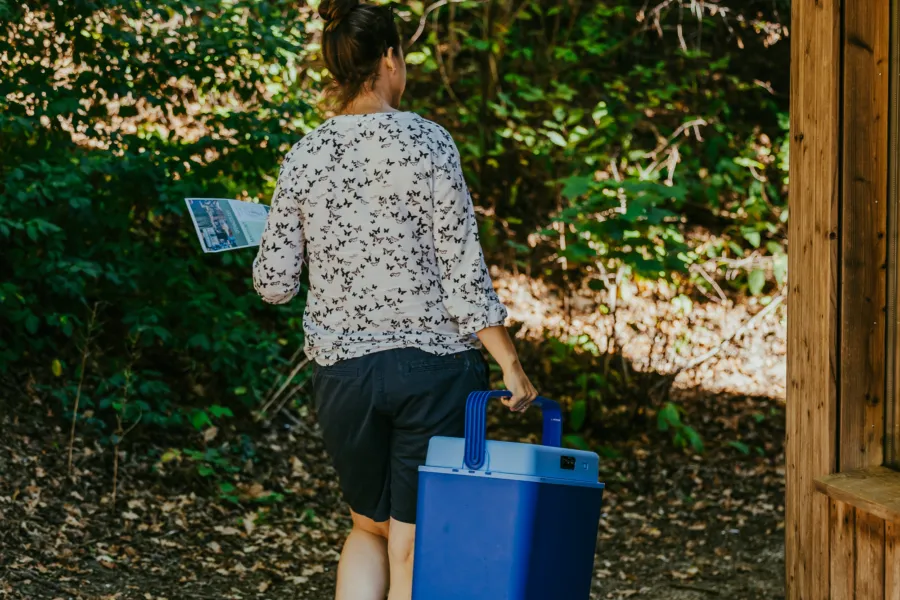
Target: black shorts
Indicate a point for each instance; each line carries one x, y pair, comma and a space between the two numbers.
377, 414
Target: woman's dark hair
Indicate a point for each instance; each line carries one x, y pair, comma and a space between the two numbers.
356, 38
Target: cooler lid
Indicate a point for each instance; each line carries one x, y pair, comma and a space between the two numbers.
516, 459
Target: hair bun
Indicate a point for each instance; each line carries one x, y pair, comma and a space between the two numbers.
333, 11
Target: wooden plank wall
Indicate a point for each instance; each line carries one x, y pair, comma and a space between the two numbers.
863, 284
843, 557
864, 233
891, 561
836, 325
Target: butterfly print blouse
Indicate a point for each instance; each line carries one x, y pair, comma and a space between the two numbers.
377, 207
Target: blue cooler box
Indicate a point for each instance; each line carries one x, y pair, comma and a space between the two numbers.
506, 521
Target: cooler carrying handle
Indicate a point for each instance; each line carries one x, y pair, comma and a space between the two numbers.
476, 424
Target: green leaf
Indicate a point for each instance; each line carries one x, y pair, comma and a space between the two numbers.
222, 411
557, 139
774, 248
193, 454
56, 367
740, 447
753, 238
199, 340
170, 455
200, 419
668, 417
576, 186
749, 162
756, 281
608, 452
575, 441
416, 58
31, 324
205, 470
577, 414
693, 439
780, 267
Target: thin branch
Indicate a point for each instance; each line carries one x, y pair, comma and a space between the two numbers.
573, 20
85, 352
278, 380
656, 13
122, 413
290, 395
680, 28
741, 264
748, 324
445, 75
424, 18
672, 154
297, 422
668, 141
712, 282
287, 381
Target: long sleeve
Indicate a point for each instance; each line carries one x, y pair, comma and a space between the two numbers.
278, 263
469, 294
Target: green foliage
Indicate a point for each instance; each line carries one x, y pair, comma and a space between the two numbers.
669, 419
158, 102
595, 135
219, 466
621, 133
740, 447
574, 440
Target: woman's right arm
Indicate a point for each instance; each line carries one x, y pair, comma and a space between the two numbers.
498, 343
468, 290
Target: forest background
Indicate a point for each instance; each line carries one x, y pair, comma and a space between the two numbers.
628, 160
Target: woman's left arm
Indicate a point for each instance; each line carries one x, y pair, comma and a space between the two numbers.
279, 261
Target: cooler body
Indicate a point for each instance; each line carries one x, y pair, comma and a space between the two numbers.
523, 526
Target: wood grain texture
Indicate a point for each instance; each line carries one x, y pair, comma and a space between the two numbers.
812, 299
892, 424
869, 556
892, 561
864, 232
843, 551
875, 490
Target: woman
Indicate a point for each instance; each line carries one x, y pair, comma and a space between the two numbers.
375, 203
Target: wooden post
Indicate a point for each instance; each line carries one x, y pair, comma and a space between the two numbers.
813, 291
864, 233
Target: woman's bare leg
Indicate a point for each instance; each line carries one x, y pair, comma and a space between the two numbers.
363, 569
401, 542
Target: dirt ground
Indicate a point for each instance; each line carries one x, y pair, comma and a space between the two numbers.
674, 526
